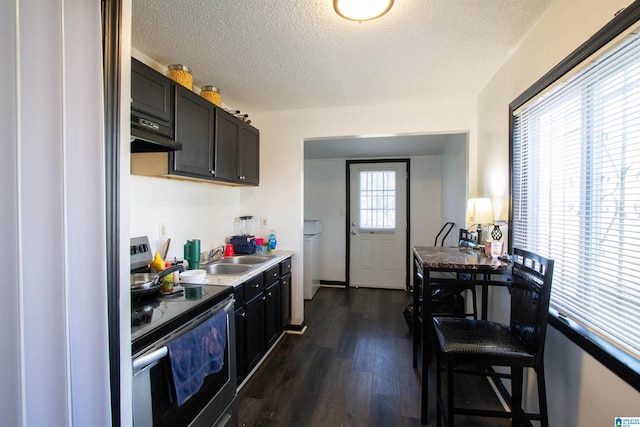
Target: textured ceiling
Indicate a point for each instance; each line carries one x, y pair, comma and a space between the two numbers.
267, 55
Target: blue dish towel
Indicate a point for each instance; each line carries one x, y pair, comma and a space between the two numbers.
197, 354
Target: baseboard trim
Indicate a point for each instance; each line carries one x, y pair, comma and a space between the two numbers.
290, 328
336, 283
295, 332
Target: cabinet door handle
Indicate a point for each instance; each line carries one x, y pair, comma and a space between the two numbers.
213, 172
269, 294
257, 285
243, 314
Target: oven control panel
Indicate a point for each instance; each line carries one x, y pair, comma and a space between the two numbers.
140, 252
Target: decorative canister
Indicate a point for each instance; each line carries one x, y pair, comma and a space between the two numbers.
211, 93
181, 74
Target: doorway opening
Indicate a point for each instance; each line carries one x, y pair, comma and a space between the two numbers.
438, 193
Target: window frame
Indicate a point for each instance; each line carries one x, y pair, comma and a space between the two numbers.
616, 360
377, 230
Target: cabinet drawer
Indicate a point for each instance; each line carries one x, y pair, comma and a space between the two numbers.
272, 275
253, 287
285, 266
238, 294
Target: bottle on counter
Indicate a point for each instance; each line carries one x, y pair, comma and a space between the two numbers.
157, 264
167, 281
271, 241
259, 245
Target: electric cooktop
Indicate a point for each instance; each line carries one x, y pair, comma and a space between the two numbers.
155, 316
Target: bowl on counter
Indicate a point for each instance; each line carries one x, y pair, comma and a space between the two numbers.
193, 277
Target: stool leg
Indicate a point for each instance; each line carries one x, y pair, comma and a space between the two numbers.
450, 365
516, 395
438, 388
542, 396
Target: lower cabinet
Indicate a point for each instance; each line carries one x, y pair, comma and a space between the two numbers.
285, 300
272, 324
241, 352
263, 309
285, 293
255, 331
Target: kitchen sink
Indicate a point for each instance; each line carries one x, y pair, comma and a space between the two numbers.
246, 259
224, 268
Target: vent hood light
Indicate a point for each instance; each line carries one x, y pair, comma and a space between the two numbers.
149, 142
362, 10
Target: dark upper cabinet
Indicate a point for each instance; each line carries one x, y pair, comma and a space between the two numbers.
194, 127
249, 161
151, 110
227, 149
213, 144
237, 150
151, 94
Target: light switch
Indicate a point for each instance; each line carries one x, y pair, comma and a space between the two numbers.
162, 231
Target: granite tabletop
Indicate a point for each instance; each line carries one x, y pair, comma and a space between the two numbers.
435, 257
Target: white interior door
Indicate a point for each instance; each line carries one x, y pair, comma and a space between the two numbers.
377, 255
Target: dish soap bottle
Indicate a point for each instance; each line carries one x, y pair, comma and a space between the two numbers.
271, 241
157, 264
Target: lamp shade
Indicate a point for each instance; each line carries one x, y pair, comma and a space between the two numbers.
479, 211
362, 10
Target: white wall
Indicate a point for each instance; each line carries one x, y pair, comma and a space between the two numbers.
190, 210
282, 135
325, 199
427, 192
581, 391
455, 182
55, 367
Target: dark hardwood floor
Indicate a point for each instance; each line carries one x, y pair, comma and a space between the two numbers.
352, 367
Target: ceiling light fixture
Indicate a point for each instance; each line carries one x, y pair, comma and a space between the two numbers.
362, 10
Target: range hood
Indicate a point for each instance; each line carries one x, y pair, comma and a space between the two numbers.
143, 141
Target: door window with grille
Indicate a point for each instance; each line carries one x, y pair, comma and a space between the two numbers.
377, 200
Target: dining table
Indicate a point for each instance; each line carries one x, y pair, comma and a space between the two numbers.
453, 268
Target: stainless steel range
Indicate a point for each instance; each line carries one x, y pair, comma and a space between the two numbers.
161, 325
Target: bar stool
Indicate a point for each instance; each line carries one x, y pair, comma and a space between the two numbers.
485, 344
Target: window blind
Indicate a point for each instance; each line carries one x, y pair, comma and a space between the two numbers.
576, 192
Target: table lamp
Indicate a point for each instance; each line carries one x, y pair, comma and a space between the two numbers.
479, 211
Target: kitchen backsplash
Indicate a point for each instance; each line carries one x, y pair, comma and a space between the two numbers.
185, 210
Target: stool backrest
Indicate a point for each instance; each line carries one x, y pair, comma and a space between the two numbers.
530, 297
468, 239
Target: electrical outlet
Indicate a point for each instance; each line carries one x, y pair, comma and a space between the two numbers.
162, 231
264, 222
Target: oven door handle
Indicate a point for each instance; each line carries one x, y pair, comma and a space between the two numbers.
148, 359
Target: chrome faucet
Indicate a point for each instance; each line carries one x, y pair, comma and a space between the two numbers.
211, 256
